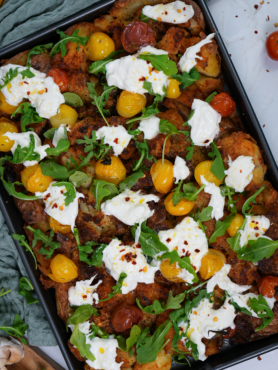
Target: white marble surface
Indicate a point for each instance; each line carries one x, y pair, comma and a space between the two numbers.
247, 50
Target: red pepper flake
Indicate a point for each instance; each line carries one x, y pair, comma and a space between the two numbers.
240, 171
187, 254
259, 358
46, 89
184, 8
166, 13
253, 222
256, 6
206, 141
267, 70
185, 242
134, 262
121, 244
62, 191
230, 55
140, 270
194, 268
225, 308
256, 228
122, 250
197, 250
138, 245
128, 257
168, 240
148, 62
47, 196
183, 250
25, 82
263, 125
236, 16
255, 31
257, 235
116, 141
267, 18
28, 93
142, 78
127, 199
84, 296
55, 205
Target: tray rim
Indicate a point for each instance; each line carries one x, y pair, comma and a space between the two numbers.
83, 15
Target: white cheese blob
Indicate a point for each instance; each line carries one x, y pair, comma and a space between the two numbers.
204, 123
117, 137
188, 60
188, 239
83, 293
23, 139
60, 134
129, 73
130, 207
217, 201
119, 258
41, 91
54, 200
150, 127
176, 12
181, 171
240, 172
254, 228
104, 350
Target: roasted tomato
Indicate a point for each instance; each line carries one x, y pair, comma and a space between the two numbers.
136, 35
223, 104
125, 316
267, 286
60, 78
272, 45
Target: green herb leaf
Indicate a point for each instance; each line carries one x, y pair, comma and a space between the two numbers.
26, 153
97, 331
130, 181
54, 170
116, 288
39, 49
10, 75
238, 308
17, 330
61, 45
103, 190
22, 241
217, 167
62, 146
70, 194
49, 134
3, 292
186, 79
84, 250
25, 289
47, 241
161, 63
262, 309
247, 205
27, 73
73, 100
221, 227
234, 241
190, 192
143, 150
92, 145
81, 314
258, 249
227, 191
99, 66
79, 178
158, 307
29, 115
210, 97
134, 334
147, 113
78, 339
204, 215
166, 127
145, 18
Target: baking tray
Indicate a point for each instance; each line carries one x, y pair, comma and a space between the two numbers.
229, 355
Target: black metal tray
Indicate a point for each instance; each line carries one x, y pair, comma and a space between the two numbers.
229, 355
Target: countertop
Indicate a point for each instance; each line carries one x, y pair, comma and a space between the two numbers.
244, 30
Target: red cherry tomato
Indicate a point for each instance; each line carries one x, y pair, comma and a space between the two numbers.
60, 78
223, 104
230, 332
136, 35
125, 316
272, 45
267, 286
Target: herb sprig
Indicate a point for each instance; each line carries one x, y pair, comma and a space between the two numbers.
61, 45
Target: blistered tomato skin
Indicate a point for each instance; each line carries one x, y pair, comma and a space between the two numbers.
203, 169
235, 225
162, 176
34, 180
110, 169
182, 208
63, 269
60, 78
173, 89
171, 272
66, 115
5, 107
57, 227
212, 262
136, 35
223, 104
125, 316
272, 45
129, 104
5, 143
99, 46
267, 286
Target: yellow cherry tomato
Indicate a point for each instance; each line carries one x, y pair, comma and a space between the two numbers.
173, 89
5, 143
110, 169
34, 180
162, 175
66, 115
5, 107
57, 227
63, 269
99, 46
129, 104
182, 208
171, 272
235, 225
203, 169
211, 263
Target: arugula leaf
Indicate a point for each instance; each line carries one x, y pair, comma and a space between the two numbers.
190, 192
79, 178
247, 205
238, 308
262, 309
204, 215
22, 241
84, 162
26, 153
61, 45
221, 227
116, 288
81, 314
27, 73
130, 181
99, 66
103, 190
186, 79
158, 307
97, 331
147, 112
3, 292
134, 334
99, 150
234, 241
217, 167
150, 243
10, 75
184, 262
210, 97
70, 194
73, 100
166, 127
49, 134
39, 49
17, 330
227, 191
47, 241
145, 18
54, 170
161, 63
78, 339
190, 150
258, 249
29, 115
143, 150
151, 346
25, 288
62, 146
84, 250
100, 101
